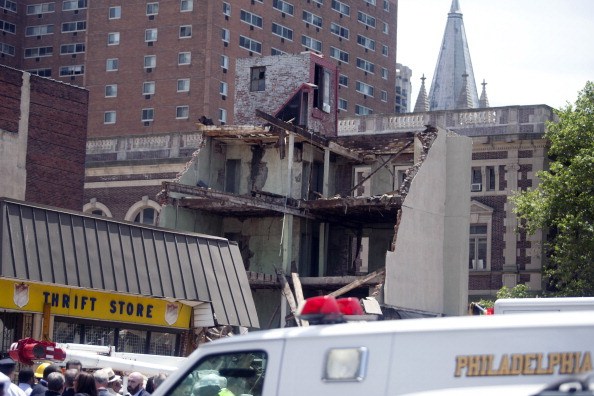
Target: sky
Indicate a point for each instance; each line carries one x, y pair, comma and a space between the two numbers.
528, 51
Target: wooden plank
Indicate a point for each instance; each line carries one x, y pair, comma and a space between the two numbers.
298, 293
286, 290
358, 282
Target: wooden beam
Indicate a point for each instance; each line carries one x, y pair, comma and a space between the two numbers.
307, 135
358, 282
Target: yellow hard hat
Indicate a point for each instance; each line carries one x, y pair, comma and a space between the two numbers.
39, 370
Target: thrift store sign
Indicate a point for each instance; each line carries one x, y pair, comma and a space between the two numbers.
92, 304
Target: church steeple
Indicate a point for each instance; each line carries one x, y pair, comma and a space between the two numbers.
422, 103
453, 62
484, 101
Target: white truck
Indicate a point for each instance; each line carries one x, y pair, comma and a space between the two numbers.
474, 354
545, 304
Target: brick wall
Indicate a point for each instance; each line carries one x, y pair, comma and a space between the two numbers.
120, 199
56, 144
10, 99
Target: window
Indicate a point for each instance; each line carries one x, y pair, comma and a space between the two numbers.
71, 5
40, 8
339, 55
342, 104
362, 181
384, 96
150, 35
148, 88
223, 88
311, 43
78, 26
148, 115
366, 19
476, 177
312, 19
72, 70
8, 5
343, 80
38, 52
322, 94
276, 51
491, 181
186, 5
182, 112
226, 9
225, 35
183, 85
240, 366
478, 247
366, 42
40, 30
362, 110
386, 5
258, 79
11, 28
150, 61
384, 73
372, 2
249, 44
111, 91
72, 48
222, 116
365, 89
41, 72
185, 31
109, 117
225, 62
184, 58
115, 12
385, 28
146, 216
342, 8
152, 8
365, 65
283, 6
384, 50
7, 49
111, 64
250, 18
400, 173
319, 2
338, 30
113, 38
282, 31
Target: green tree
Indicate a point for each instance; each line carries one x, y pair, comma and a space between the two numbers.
518, 291
563, 202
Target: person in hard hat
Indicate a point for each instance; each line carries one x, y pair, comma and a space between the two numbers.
7, 367
42, 372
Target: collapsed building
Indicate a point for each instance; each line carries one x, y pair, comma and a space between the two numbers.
383, 216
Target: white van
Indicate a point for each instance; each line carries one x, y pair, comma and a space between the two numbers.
546, 304
393, 357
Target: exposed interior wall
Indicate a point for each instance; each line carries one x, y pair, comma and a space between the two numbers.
432, 213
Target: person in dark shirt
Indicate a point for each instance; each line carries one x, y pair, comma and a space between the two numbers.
41, 387
69, 376
55, 384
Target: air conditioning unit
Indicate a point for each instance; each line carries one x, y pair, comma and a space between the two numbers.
476, 187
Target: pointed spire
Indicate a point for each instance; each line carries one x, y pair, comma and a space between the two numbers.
452, 63
422, 103
484, 101
455, 8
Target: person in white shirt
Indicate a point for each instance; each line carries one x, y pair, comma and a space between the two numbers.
26, 379
7, 367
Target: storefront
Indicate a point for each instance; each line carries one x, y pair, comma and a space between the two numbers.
75, 278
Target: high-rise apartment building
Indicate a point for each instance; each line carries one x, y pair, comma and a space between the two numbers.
156, 67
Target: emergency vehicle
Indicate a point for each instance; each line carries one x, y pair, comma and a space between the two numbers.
545, 304
30, 351
471, 354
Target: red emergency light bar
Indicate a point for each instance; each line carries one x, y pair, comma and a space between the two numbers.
29, 350
328, 309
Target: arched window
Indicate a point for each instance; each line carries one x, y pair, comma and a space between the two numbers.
144, 212
96, 208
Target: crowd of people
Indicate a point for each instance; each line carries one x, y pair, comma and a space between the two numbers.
51, 380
